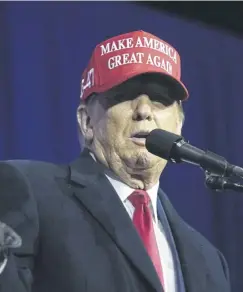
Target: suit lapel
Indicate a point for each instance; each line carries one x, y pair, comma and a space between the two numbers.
189, 249
94, 192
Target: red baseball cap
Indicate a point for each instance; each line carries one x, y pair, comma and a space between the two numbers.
122, 57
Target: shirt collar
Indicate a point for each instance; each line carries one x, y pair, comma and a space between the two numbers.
124, 191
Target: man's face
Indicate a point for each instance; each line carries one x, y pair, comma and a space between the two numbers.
121, 118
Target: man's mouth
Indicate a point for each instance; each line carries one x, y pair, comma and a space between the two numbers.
139, 138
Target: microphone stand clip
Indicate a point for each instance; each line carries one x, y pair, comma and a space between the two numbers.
221, 183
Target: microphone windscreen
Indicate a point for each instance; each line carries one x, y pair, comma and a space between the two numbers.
160, 142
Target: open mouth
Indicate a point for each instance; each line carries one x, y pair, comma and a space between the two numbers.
140, 135
139, 138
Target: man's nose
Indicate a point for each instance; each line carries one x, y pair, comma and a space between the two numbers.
142, 108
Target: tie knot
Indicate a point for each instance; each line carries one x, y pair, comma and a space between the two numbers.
139, 197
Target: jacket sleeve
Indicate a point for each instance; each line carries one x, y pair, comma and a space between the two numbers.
19, 211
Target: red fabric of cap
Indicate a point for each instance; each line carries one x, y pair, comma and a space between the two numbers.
128, 55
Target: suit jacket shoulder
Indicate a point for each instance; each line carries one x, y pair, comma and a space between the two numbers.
31, 168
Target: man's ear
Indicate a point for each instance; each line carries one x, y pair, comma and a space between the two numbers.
84, 122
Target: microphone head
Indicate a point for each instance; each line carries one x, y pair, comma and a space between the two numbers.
160, 143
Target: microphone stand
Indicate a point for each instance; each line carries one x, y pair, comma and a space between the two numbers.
221, 183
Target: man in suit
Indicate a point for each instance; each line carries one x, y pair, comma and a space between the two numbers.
101, 223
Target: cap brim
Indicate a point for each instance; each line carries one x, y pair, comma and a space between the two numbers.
177, 88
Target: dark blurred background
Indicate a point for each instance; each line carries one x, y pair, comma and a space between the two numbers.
225, 15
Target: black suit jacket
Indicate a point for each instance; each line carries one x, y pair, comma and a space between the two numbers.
77, 236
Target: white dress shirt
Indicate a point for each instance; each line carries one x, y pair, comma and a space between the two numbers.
165, 252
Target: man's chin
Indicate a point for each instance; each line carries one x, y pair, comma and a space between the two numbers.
141, 160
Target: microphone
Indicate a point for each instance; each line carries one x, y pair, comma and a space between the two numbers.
174, 148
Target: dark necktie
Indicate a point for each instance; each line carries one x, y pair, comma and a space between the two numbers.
143, 221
